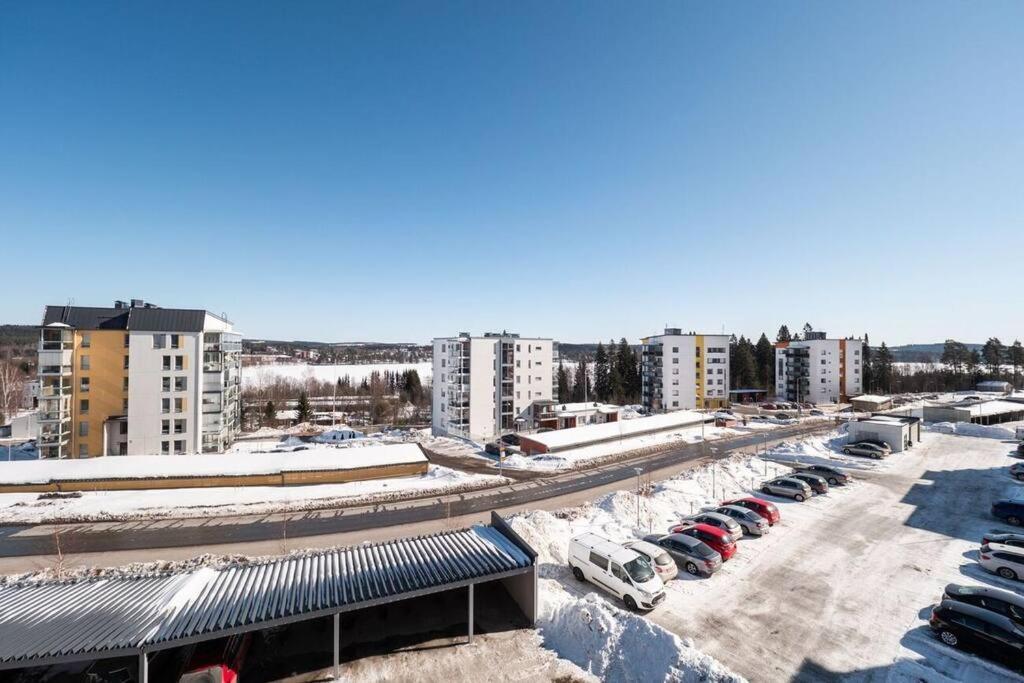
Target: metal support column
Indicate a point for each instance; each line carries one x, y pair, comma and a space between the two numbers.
337, 645
143, 668
471, 613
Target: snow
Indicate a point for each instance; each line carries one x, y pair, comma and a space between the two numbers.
581, 436
30, 508
1003, 431
207, 464
256, 376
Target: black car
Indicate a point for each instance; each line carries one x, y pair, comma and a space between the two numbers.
1012, 540
1001, 602
1020, 449
979, 630
833, 476
817, 483
510, 439
492, 448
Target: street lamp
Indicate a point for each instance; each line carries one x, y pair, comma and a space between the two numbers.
638, 470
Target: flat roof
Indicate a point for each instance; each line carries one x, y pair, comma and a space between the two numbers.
316, 458
590, 434
91, 618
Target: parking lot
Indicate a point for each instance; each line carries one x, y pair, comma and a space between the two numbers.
845, 585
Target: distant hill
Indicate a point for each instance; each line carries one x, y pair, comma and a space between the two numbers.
923, 353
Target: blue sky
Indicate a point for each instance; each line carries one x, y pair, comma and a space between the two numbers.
580, 170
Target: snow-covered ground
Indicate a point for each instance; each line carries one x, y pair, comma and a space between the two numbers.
31, 508
842, 587
256, 376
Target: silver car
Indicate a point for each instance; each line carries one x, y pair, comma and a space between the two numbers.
863, 448
788, 487
723, 522
751, 522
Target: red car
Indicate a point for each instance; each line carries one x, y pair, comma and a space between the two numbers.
714, 537
762, 507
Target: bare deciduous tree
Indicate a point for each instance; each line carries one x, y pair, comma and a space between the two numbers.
12, 386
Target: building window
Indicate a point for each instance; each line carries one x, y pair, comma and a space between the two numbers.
675, 371
698, 352
86, 340
83, 406
124, 405
675, 349
165, 447
675, 404
122, 429
127, 341
159, 341
443, 362
179, 447
179, 362
165, 405
165, 426
126, 361
179, 405
124, 384
167, 362
83, 450
675, 361
180, 383
83, 428
175, 341
165, 384
179, 426
84, 386
84, 362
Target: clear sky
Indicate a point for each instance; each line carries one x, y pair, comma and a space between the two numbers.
580, 170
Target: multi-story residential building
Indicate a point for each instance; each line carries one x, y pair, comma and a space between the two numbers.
137, 379
684, 371
819, 370
483, 386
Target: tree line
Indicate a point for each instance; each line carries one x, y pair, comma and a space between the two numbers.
615, 370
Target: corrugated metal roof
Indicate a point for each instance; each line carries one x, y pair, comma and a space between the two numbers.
93, 616
166, 320
136, 318
87, 317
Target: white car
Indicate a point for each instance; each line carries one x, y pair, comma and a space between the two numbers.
1005, 560
664, 566
620, 571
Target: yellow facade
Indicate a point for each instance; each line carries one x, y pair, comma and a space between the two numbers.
106, 352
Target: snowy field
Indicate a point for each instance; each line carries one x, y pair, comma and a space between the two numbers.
30, 508
843, 586
257, 376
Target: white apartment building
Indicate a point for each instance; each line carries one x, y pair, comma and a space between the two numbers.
137, 379
819, 370
483, 384
684, 371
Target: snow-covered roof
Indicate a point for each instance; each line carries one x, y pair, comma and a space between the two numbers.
316, 458
996, 408
51, 622
872, 398
581, 436
583, 407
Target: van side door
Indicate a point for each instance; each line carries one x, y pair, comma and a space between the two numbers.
599, 571
620, 581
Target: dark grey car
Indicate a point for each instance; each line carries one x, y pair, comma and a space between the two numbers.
818, 484
833, 476
695, 556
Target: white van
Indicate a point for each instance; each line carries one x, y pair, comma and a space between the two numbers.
620, 571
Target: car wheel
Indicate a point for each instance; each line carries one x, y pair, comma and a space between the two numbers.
833, 481
1007, 573
799, 498
1013, 520
846, 451
691, 568
578, 573
765, 489
1020, 476
630, 602
949, 638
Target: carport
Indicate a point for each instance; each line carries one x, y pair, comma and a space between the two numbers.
895, 431
98, 618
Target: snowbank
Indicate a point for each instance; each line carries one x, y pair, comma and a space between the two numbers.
969, 429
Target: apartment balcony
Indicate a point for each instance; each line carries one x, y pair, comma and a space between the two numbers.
54, 390
55, 345
55, 370
54, 438
54, 416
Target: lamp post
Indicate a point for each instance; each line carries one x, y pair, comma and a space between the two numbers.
638, 470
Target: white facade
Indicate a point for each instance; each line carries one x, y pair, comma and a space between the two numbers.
819, 370
685, 371
469, 401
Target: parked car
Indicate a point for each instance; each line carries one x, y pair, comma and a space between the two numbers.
663, 564
783, 416
863, 448
761, 418
881, 444
216, 660
726, 524
1017, 470
751, 522
696, 557
1004, 560
620, 571
818, 484
766, 509
832, 475
510, 439
1020, 450
1012, 540
1010, 511
977, 629
492, 448
717, 539
1008, 604
817, 413
788, 487
768, 406
807, 405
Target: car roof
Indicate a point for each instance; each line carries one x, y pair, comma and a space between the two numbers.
688, 541
806, 474
716, 515
1009, 536
646, 547
739, 508
788, 477
1012, 549
986, 591
749, 499
979, 613
613, 551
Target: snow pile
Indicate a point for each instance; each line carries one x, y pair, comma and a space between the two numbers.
338, 435
971, 429
620, 646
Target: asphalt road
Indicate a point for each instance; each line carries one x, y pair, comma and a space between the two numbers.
116, 542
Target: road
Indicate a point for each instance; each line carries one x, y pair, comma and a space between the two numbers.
26, 548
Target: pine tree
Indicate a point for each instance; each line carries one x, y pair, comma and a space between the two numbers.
784, 334
269, 413
868, 370
883, 368
743, 367
563, 384
765, 355
305, 413
601, 374
581, 383
616, 382
993, 352
1015, 354
624, 361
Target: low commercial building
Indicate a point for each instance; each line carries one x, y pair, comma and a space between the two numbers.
977, 412
871, 403
151, 617
554, 415
995, 387
565, 439
684, 371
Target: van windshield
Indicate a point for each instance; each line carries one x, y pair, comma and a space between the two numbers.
639, 570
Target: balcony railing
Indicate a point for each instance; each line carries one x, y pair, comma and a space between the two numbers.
54, 390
